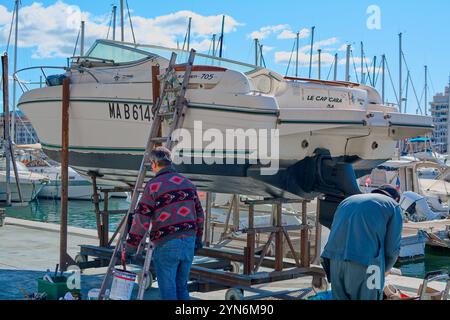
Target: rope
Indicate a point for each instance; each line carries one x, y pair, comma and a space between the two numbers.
354, 66
392, 83
76, 43
290, 59
131, 23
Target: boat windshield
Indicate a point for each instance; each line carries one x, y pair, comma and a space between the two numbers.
123, 52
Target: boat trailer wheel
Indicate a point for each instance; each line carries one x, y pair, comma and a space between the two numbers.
319, 282
234, 294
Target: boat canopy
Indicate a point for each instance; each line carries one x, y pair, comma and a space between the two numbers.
124, 52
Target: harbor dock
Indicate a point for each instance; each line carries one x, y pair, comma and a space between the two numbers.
23, 261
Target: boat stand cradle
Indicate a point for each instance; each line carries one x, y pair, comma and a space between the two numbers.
217, 267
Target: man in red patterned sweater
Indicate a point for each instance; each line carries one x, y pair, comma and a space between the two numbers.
171, 204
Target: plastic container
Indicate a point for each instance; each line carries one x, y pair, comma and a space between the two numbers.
54, 290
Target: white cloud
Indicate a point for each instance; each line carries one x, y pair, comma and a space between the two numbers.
289, 34
266, 31
51, 31
283, 57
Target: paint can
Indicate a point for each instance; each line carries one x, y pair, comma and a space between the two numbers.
123, 284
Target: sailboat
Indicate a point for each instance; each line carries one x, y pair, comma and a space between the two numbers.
330, 132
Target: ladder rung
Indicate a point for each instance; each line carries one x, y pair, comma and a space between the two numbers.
173, 89
166, 114
140, 190
181, 65
160, 139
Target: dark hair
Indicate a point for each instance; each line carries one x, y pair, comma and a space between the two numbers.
389, 191
162, 156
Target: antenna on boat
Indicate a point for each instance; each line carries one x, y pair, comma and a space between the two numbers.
335, 66
319, 66
221, 37
347, 63
311, 51
82, 38
374, 70
114, 22
256, 52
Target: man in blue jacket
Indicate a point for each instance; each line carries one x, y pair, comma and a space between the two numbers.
364, 243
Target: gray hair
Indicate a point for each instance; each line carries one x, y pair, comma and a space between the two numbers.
162, 156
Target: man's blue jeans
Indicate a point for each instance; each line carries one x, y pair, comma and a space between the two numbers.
173, 260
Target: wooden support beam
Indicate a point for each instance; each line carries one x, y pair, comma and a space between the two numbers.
105, 221
250, 249
207, 227
264, 252
304, 245
63, 261
278, 239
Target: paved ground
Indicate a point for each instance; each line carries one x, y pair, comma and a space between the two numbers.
28, 249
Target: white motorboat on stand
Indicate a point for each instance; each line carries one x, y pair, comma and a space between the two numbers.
329, 132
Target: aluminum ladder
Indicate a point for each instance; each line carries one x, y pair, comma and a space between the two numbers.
177, 114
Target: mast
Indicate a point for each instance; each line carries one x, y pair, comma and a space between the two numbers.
16, 37
347, 63
383, 75
426, 90
256, 52
374, 70
335, 66
296, 57
400, 89
311, 51
214, 45
6, 122
122, 32
319, 52
221, 37
82, 39
189, 34
362, 63
114, 21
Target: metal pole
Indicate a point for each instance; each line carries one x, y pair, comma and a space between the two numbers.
347, 64
6, 122
296, 58
319, 52
122, 32
335, 66
362, 63
189, 35
221, 37
373, 72
82, 39
64, 172
400, 84
256, 52
383, 83
311, 51
426, 91
16, 37
114, 22
214, 45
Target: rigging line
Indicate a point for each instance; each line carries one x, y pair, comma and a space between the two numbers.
392, 82
76, 43
378, 72
354, 65
412, 85
329, 71
290, 59
10, 29
109, 26
262, 56
431, 80
368, 73
131, 22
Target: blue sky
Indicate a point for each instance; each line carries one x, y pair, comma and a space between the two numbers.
47, 36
